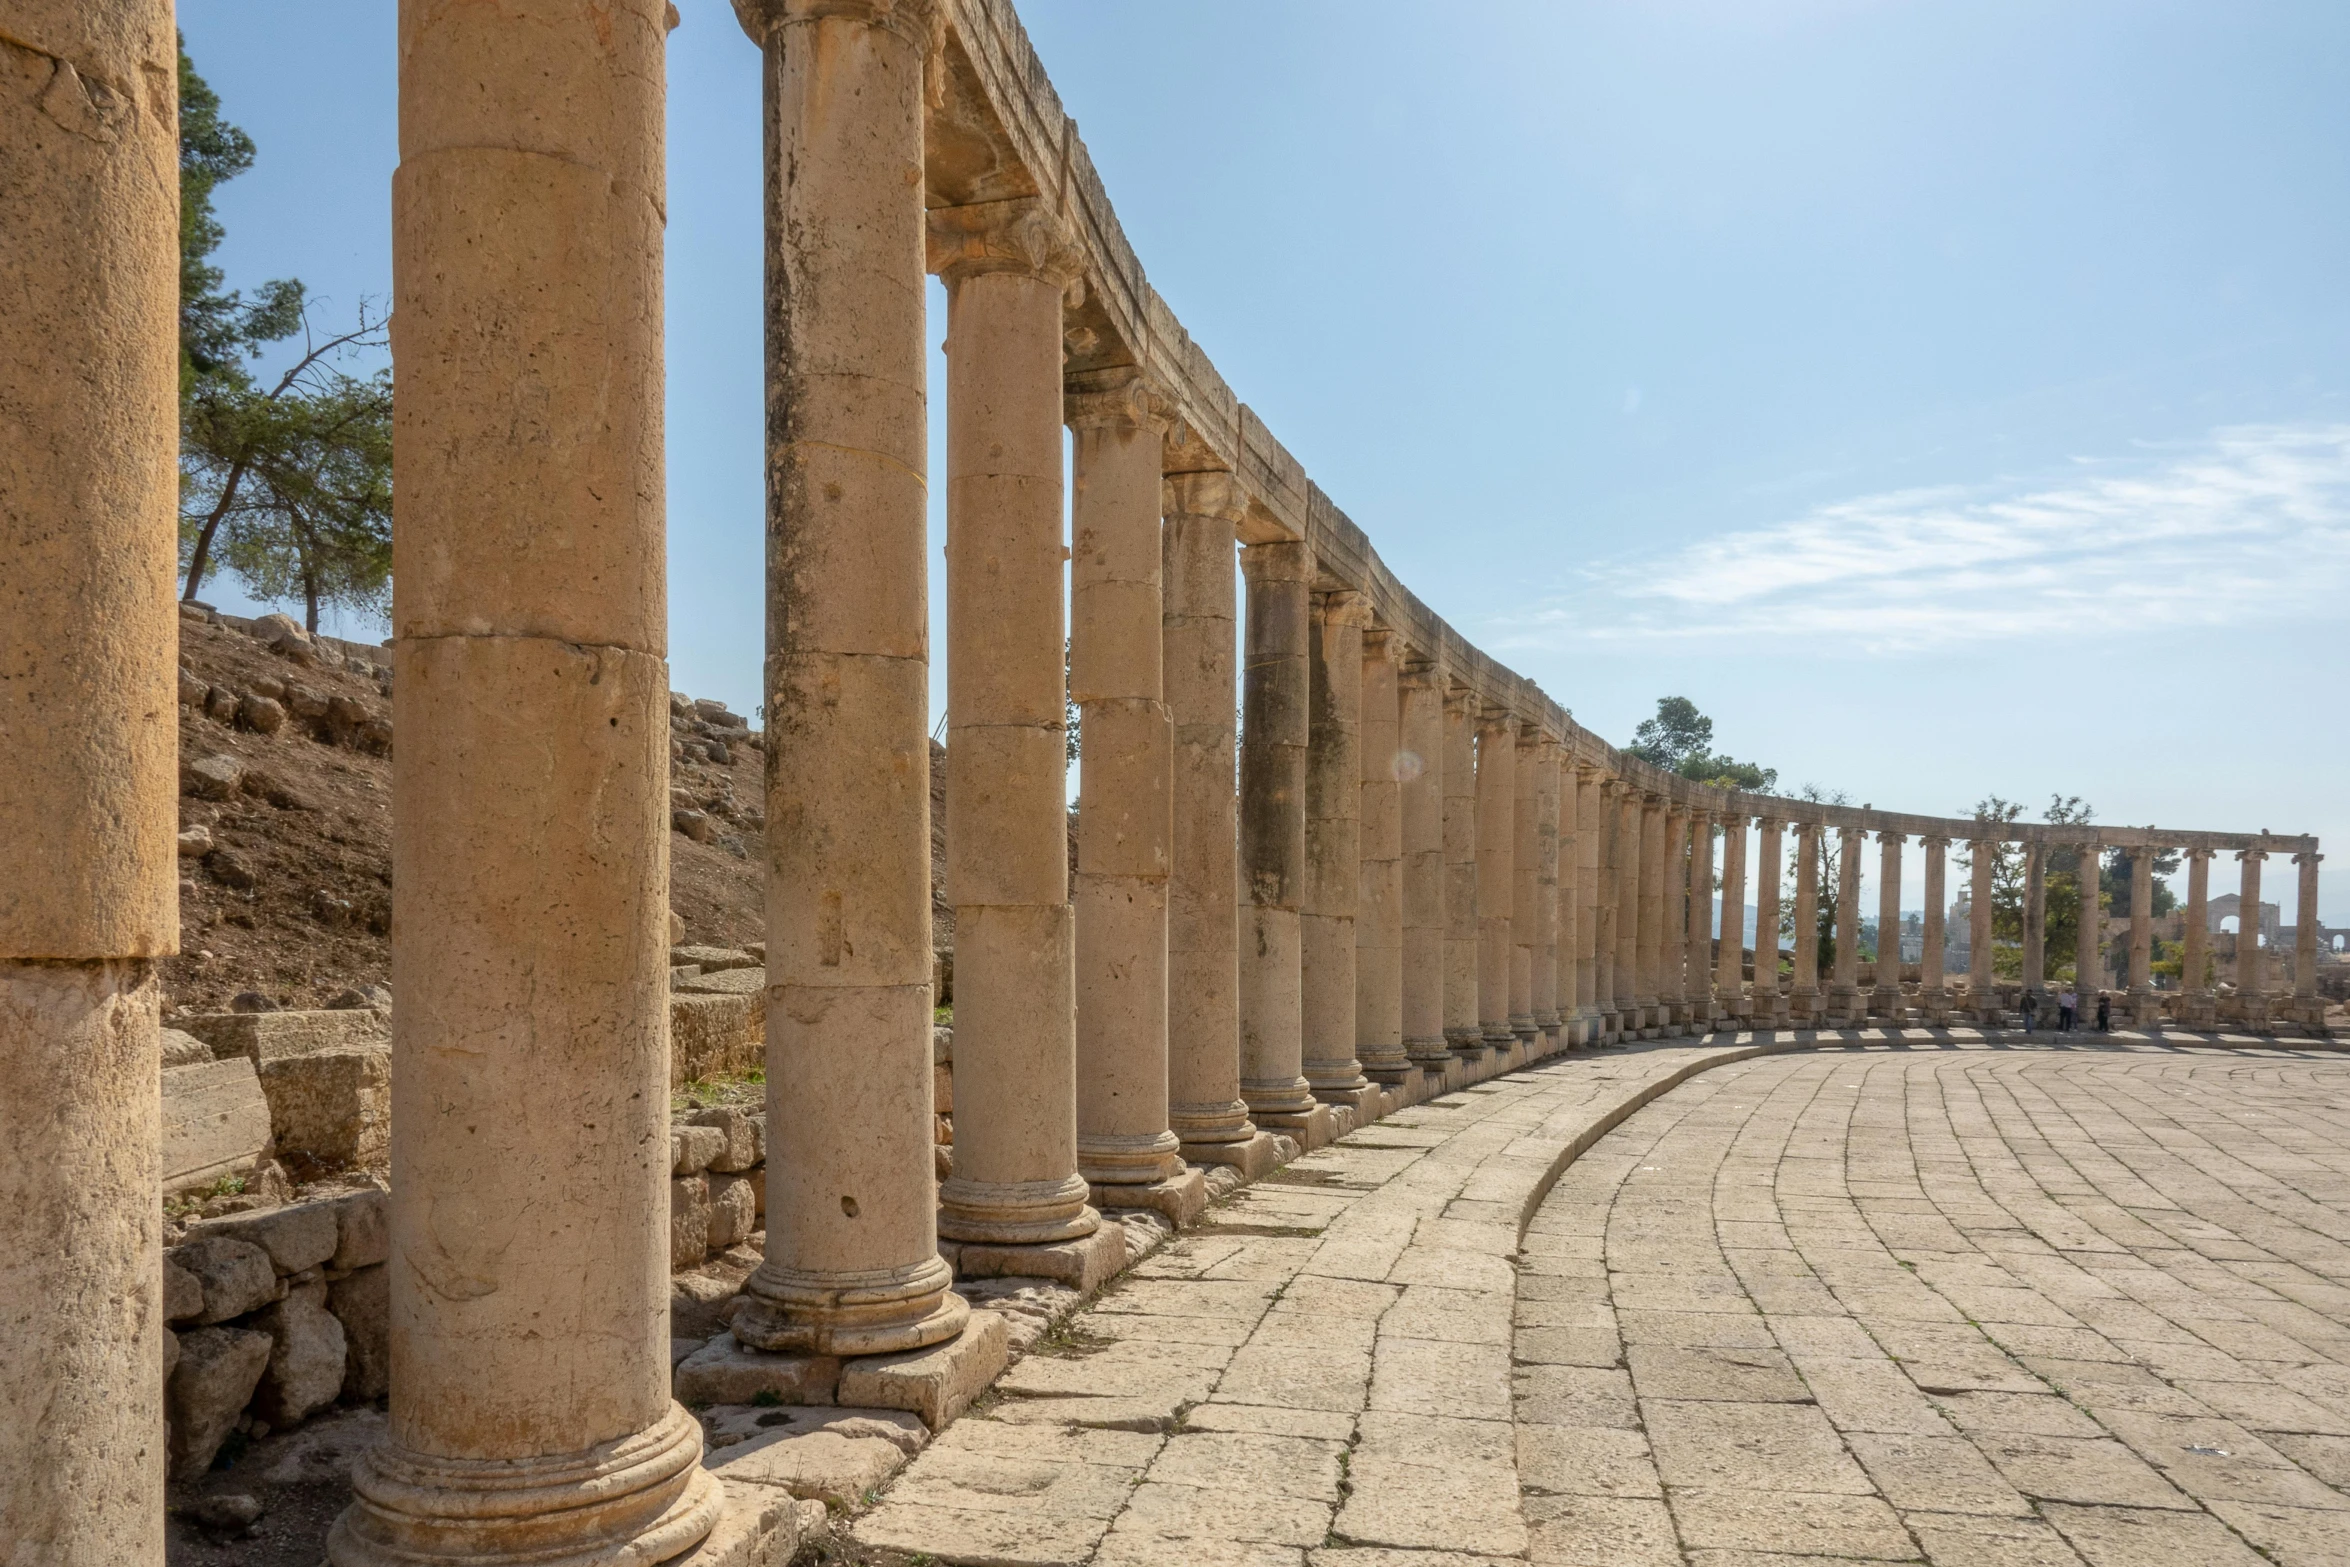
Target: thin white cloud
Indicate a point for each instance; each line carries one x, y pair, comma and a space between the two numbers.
2255, 522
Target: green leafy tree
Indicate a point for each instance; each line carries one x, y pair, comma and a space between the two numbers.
1831, 856
2060, 888
1680, 740
2119, 869
286, 483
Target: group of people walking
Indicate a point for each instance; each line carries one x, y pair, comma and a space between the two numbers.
2068, 1009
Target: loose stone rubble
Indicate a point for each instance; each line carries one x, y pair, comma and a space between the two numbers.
1294, 959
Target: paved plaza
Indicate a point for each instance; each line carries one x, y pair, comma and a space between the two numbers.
1877, 1298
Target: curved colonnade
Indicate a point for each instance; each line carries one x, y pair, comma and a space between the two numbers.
1429, 874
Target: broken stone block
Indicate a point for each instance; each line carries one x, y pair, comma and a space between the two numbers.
215, 1122
267, 1035
217, 1372
724, 1372
829, 1455
181, 1049
691, 1148
712, 959
259, 713
715, 1035
362, 1303
937, 1383
333, 1106
183, 1293
236, 1276
1083, 1264
306, 1357
212, 777
363, 1229
742, 1140
689, 1221
734, 1210
699, 1304
726, 982
298, 1236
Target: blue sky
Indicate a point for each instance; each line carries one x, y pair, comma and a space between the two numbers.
1951, 399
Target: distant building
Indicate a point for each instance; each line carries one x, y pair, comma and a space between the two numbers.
2228, 905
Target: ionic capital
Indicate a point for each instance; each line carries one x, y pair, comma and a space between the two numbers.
2199, 854
1122, 398
1499, 722
1023, 235
918, 21
1934, 840
1460, 699
1892, 837
1209, 493
1381, 645
2252, 854
2307, 857
1290, 560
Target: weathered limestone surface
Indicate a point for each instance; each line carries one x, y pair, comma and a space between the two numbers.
1497, 798
1379, 893
1330, 897
1422, 808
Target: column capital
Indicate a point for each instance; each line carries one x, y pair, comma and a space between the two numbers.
1289, 560
1497, 720
1121, 398
2198, 854
2307, 857
1381, 644
1886, 835
1934, 840
1021, 234
2252, 855
1209, 492
918, 20
1459, 699
1344, 607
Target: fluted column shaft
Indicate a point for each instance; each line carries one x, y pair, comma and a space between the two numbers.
1844, 994
1125, 812
1204, 1107
1424, 874
1015, 1182
1885, 1001
1525, 882
1804, 990
1379, 892
1461, 1028
1982, 982
89, 256
1730, 959
1547, 1016
1334, 792
1274, 736
1497, 796
531, 1417
1770, 1002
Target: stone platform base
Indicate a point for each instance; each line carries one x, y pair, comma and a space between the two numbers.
760, 1527
1251, 1158
1312, 1129
1363, 1101
935, 1383
1082, 1264
1179, 1198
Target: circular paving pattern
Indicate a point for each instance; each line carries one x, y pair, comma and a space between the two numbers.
1966, 1304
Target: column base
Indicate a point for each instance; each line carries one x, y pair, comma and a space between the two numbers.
1117, 1161
1083, 1264
642, 1499
1196, 1125
938, 1383
1363, 1100
2197, 1009
1311, 1129
1388, 1070
1014, 1213
879, 1312
1252, 1156
1887, 1004
1179, 1199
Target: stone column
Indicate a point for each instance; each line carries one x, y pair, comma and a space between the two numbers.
89, 896
1525, 882
2143, 1011
1885, 999
1379, 892
1844, 1003
1803, 1002
1605, 906
1334, 793
1630, 844
2196, 1008
1571, 998
531, 1418
2088, 959
1461, 1030
1547, 1016
1497, 802
1015, 1190
1422, 769
1933, 993
1128, 1153
1982, 978
1672, 979
1770, 1000
1733, 1008
1204, 1107
1699, 903
2036, 921
1591, 811
2251, 982
2308, 1007
1274, 730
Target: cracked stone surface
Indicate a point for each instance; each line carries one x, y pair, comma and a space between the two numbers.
1867, 1297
